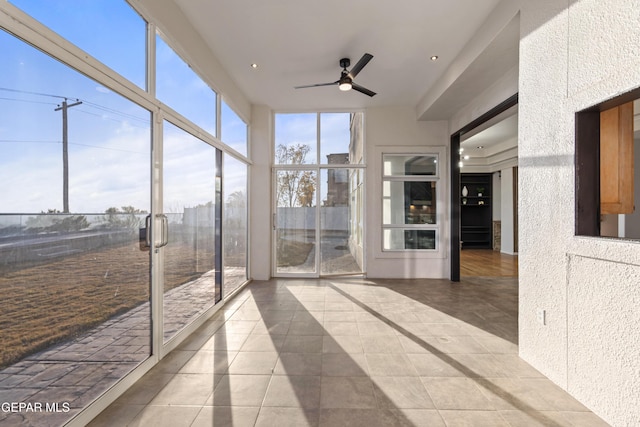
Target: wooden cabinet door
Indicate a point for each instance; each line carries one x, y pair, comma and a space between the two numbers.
616, 160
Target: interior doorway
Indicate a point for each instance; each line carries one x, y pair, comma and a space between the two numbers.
484, 225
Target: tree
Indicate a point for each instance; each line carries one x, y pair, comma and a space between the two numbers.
294, 188
126, 217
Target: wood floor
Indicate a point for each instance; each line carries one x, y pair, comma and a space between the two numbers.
486, 262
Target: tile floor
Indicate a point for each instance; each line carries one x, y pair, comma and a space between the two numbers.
353, 352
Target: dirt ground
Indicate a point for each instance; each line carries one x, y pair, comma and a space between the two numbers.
50, 303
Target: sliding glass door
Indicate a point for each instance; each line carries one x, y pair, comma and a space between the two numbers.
191, 205
318, 182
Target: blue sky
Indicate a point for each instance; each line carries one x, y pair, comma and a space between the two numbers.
109, 136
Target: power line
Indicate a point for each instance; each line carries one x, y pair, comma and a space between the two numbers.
34, 93
28, 101
92, 104
29, 141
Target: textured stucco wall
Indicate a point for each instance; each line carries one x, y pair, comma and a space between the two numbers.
574, 54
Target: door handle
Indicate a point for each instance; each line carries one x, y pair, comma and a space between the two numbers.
164, 230
144, 235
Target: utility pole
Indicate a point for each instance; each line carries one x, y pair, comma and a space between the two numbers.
65, 154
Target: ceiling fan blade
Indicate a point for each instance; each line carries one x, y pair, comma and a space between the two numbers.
317, 85
362, 89
360, 65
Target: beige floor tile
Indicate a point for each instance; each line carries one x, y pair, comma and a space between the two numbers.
473, 419
513, 394
394, 365
352, 352
173, 362
534, 418
145, 389
232, 416
344, 365
360, 417
238, 326
401, 393
306, 328
347, 392
456, 393
554, 395
165, 416
381, 344
375, 328
418, 417
340, 328
187, 389
260, 343
434, 365
209, 362
341, 344
299, 364
316, 315
250, 362
240, 390
342, 305
287, 417
293, 391
272, 328
583, 419
302, 344
222, 340
339, 316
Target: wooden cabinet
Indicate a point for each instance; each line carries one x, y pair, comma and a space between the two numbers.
616, 160
475, 210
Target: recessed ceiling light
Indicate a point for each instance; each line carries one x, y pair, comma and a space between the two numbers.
254, 65
434, 58
480, 147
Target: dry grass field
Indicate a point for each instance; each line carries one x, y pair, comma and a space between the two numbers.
53, 302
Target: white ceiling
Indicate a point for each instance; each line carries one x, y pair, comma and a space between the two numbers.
492, 137
299, 42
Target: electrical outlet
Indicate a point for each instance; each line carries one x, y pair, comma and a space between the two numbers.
542, 316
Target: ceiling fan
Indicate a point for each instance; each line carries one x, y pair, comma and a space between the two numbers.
346, 77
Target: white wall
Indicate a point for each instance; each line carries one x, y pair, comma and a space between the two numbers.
573, 57
260, 194
506, 212
396, 129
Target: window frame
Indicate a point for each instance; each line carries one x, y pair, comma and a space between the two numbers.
587, 165
435, 178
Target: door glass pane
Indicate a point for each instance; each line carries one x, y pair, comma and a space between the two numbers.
340, 249
235, 224
111, 31
74, 282
403, 165
295, 221
189, 205
296, 139
397, 239
408, 202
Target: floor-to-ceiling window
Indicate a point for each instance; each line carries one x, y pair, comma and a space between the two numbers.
189, 208
75, 160
318, 182
111, 208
